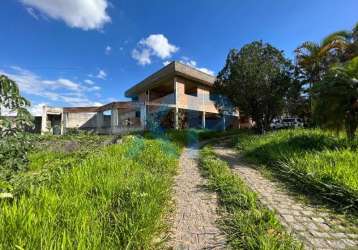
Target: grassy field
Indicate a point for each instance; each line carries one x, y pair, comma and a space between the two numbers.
109, 197
248, 224
313, 161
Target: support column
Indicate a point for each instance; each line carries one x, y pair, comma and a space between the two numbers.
114, 119
176, 100
99, 121
203, 125
143, 116
64, 122
176, 118
44, 120
224, 121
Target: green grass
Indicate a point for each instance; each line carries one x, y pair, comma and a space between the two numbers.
187, 137
248, 224
313, 161
114, 198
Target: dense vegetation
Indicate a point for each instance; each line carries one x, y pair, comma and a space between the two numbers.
258, 79
112, 198
329, 71
311, 160
14, 143
248, 224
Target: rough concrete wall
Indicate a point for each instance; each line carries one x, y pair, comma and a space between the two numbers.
81, 120
123, 118
142, 97
201, 102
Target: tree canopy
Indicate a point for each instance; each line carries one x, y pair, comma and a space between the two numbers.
257, 79
336, 98
331, 70
11, 100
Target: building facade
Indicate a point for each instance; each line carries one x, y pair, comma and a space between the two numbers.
177, 96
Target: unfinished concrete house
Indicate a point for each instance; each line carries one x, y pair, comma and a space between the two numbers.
177, 97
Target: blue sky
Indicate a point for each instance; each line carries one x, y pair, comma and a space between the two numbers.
88, 52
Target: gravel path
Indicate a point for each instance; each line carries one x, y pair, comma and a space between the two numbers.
194, 225
317, 228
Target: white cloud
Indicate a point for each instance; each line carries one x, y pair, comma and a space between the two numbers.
192, 63
32, 13
165, 63
63, 90
101, 74
89, 82
84, 14
108, 50
143, 57
36, 109
154, 45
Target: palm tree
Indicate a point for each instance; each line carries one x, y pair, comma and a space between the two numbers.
345, 44
316, 58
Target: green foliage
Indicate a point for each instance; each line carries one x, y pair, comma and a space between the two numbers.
14, 144
114, 198
13, 154
336, 98
316, 61
256, 79
312, 161
248, 224
187, 137
11, 100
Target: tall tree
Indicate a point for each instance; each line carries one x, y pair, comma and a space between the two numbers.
12, 101
344, 45
316, 59
336, 98
256, 79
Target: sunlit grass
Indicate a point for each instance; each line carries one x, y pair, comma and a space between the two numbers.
313, 160
114, 199
247, 223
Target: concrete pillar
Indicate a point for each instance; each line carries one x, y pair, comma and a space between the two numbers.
100, 118
176, 118
224, 121
143, 116
64, 118
44, 120
114, 119
203, 125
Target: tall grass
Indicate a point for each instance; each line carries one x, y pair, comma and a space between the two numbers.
114, 199
312, 160
187, 137
248, 224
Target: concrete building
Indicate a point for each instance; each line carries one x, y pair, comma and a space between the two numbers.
177, 96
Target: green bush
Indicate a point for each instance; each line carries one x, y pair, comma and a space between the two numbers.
248, 224
311, 160
115, 198
13, 155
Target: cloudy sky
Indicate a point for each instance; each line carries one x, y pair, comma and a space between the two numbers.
88, 52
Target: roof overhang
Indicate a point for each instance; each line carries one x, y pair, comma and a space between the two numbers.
168, 72
109, 106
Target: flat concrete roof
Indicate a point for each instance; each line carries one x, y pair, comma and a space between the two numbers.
171, 70
108, 106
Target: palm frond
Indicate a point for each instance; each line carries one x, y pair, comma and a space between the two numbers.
343, 36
